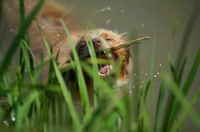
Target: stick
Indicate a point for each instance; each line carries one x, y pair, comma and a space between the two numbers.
108, 50
127, 44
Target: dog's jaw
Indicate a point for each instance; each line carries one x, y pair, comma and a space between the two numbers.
103, 39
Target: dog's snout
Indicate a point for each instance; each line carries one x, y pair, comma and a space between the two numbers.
96, 42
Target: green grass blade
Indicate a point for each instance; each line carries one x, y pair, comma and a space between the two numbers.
193, 71
63, 86
174, 30
81, 81
67, 97
188, 32
185, 112
143, 107
94, 67
174, 88
136, 52
171, 98
51, 70
172, 70
27, 62
181, 71
22, 13
30, 54
106, 87
24, 109
151, 76
16, 40
159, 106
152, 61
22, 21
187, 85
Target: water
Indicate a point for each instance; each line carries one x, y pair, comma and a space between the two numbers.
155, 19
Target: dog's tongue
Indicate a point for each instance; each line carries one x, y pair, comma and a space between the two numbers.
104, 69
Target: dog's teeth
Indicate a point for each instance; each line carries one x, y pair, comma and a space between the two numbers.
105, 71
108, 72
111, 67
99, 74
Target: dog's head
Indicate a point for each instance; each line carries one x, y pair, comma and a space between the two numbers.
103, 39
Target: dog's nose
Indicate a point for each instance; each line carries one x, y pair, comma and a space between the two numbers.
96, 42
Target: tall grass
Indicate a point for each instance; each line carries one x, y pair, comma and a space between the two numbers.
32, 106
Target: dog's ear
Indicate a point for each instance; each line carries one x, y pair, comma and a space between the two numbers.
123, 36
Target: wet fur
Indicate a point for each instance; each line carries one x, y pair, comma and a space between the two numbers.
112, 39
49, 18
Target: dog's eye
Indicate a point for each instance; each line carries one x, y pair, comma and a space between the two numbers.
83, 42
108, 39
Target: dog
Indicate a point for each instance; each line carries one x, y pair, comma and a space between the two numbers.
49, 18
103, 39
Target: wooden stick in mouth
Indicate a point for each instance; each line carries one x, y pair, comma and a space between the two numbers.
63, 67
124, 45
109, 50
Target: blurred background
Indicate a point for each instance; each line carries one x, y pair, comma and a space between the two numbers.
156, 19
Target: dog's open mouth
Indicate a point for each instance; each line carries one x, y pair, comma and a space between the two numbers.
105, 70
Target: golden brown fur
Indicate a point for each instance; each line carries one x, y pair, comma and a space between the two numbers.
49, 18
112, 39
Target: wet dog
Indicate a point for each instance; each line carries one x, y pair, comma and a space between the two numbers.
103, 39
49, 17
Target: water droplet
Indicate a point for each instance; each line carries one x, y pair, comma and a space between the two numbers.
142, 25
160, 64
5, 123
108, 8
42, 26
158, 73
122, 11
130, 92
154, 75
103, 9
13, 118
146, 74
108, 21
11, 30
